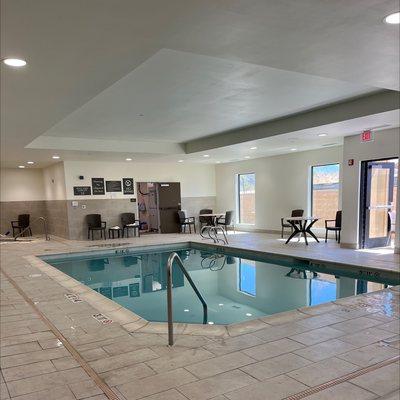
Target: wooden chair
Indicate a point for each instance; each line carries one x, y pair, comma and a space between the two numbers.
184, 221
95, 223
336, 228
295, 213
21, 224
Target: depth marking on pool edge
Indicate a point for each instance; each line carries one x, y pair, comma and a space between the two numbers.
88, 369
342, 379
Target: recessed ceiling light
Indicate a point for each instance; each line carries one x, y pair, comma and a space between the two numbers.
21, 166
293, 149
14, 62
206, 155
55, 157
247, 157
210, 323
180, 160
253, 148
30, 162
393, 19
323, 134
248, 314
218, 162
128, 159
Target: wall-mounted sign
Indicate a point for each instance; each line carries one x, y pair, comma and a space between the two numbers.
350, 162
98, 186
82, 190
367, 136
113, 186
128, 185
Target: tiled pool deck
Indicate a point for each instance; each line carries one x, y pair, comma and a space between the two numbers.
53, 349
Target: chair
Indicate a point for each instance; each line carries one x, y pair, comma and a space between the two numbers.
184, 221
226, 221
336, 228
21, 224
295, 213
205, 220
129, 221
95, 223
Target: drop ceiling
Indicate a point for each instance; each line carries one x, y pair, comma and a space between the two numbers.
141, 78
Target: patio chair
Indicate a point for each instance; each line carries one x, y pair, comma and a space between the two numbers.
95, 223
184, 221
21, 224
129, 221
337, 227
295, 213
226, 221
205, 220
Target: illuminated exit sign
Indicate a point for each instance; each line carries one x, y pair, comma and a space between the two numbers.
367, 136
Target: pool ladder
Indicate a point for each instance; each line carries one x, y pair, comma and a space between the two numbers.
212, 232
175, 257
43, 219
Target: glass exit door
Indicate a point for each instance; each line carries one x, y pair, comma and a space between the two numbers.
377, 202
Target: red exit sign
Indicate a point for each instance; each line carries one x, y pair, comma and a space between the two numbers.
367, 136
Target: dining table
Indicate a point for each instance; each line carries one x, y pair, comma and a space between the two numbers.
302, 226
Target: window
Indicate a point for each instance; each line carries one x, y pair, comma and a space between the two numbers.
247, 277
324, 192
246, 198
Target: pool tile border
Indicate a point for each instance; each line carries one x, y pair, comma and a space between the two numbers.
132, 322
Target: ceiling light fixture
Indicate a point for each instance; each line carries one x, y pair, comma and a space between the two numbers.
30, 162
206, 155
247, 157
393, 19
323, 134
128, 159
55, 157
253, 148
14, 62
218, 162
21, 166
180, 161
293, 149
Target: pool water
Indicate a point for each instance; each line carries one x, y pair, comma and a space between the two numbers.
235, 289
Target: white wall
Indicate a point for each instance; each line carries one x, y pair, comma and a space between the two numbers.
282, 183
21, 185
196, 180
385, 145
54, 182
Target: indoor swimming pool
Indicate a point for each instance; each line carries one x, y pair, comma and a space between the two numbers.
236, 288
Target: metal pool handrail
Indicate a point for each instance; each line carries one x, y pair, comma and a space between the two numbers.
37, 219
214, 229
172, 257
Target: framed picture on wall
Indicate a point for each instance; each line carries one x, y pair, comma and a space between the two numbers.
82, 191
128, 186
113, 186
98, 186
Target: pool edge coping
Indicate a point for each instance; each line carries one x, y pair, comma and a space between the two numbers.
132, 322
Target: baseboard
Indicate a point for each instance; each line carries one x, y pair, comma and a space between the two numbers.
353, 246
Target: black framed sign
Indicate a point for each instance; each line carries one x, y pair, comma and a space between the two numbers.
127, 184
98, 186
113, 186
82, 190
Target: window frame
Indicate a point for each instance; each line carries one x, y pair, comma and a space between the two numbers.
238, 175
312, 183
